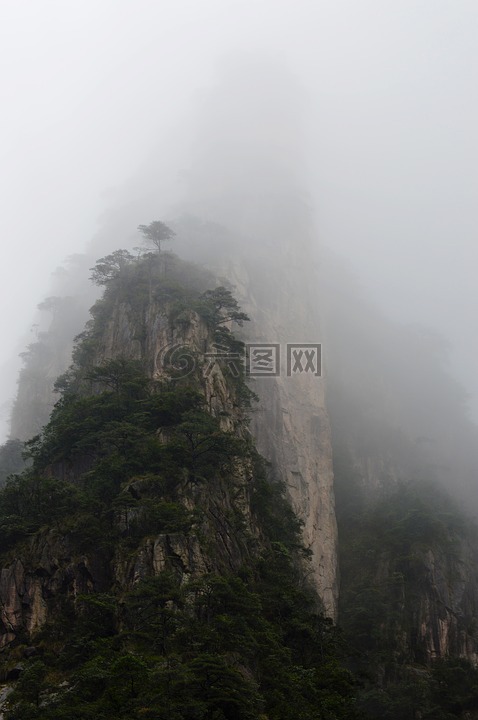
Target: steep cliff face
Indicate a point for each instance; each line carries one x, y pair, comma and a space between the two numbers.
45, 573
149, 540
445, 614
368, 400
291, 424
404, 470
162, 343
405, 537
409, 581
50, 568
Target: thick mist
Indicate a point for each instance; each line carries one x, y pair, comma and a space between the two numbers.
347, 126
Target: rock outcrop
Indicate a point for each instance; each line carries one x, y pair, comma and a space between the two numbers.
291, 423
49, 569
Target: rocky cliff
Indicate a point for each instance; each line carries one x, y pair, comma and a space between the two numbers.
345, 446
405, 481
49, 567
148, 531
291, 423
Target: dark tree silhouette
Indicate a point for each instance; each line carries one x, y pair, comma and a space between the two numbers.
156, 233
224, 306
110, 267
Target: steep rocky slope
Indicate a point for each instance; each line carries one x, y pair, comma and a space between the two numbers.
291, 424
353, 446
151, 568
137, 328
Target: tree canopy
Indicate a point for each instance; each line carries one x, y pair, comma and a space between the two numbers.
223, 306
155, 234
109, 267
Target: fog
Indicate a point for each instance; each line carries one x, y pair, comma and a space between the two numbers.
108, 113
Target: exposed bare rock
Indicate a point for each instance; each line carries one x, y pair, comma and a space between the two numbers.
291, 425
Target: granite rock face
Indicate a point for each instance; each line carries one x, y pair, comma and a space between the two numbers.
48, 570
291, 423
32, 585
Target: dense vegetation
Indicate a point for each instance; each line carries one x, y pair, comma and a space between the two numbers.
125, 459
11, 459
386, 542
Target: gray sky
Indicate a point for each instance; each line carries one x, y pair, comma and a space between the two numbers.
88, 88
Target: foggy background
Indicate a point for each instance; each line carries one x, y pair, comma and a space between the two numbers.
388, 103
